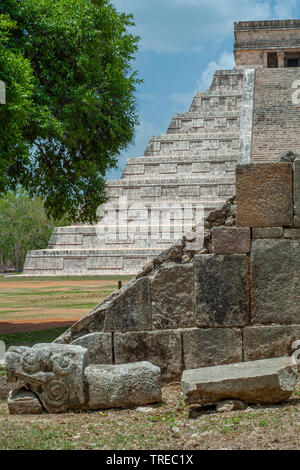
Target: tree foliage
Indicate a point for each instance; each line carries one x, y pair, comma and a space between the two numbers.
24, 226
70, 106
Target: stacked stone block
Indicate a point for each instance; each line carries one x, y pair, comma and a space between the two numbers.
236, 300
276, 124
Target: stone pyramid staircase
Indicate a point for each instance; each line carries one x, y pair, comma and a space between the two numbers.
184, 173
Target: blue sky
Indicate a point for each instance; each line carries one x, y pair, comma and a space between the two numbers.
182, 43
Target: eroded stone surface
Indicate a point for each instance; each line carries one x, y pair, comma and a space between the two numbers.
210, 346
265, 381
275, 281
99, 346
292, 233
23, 402
123, 310
264, 194
231, 240
172, 295
6, 387
262, 342
123, 385
54, 372
162, 348
297, 192
221, 290
267, 232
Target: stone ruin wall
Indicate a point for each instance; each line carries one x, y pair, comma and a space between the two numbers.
237, 299
276, 123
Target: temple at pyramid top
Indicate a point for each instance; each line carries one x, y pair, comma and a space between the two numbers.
267, 44
249, 114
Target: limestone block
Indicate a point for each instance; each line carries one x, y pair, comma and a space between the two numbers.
162, 348
267, 232
54, 372
6, 387
98, 262
211, 346
297, 192
40, 263
99, 346
135, 169
231, 240
264, 193
293, 233
275, 281
221, 290
114, 386
127, 309
172, 295
23, 402
262, 342
167, 168
265, 381
69, 239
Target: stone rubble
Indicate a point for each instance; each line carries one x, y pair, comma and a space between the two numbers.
59, 377
264, 381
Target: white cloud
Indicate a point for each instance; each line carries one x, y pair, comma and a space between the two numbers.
184, 25
226, 62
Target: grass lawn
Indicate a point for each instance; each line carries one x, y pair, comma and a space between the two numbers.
29, 338
48, 304
169, 425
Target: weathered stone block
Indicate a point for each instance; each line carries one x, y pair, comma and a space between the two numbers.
267, 232
297, 192
134, 384
6, 387
127, 309
293, 233
221, 290
264, 193
275, 281
23, 402
162, 348
211, 346
99, 346
262, 342
54, 372
231, 240
172, 295
266, 381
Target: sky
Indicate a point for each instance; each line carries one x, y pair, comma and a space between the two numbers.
182, 43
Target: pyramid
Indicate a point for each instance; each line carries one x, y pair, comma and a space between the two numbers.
250, 113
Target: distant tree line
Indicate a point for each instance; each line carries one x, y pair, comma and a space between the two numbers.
24, 226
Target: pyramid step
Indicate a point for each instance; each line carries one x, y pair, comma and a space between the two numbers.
223, 122
216, 101
171, 166
193, 144
87, 262
200, 119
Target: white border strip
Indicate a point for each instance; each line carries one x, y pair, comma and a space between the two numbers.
247, 108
